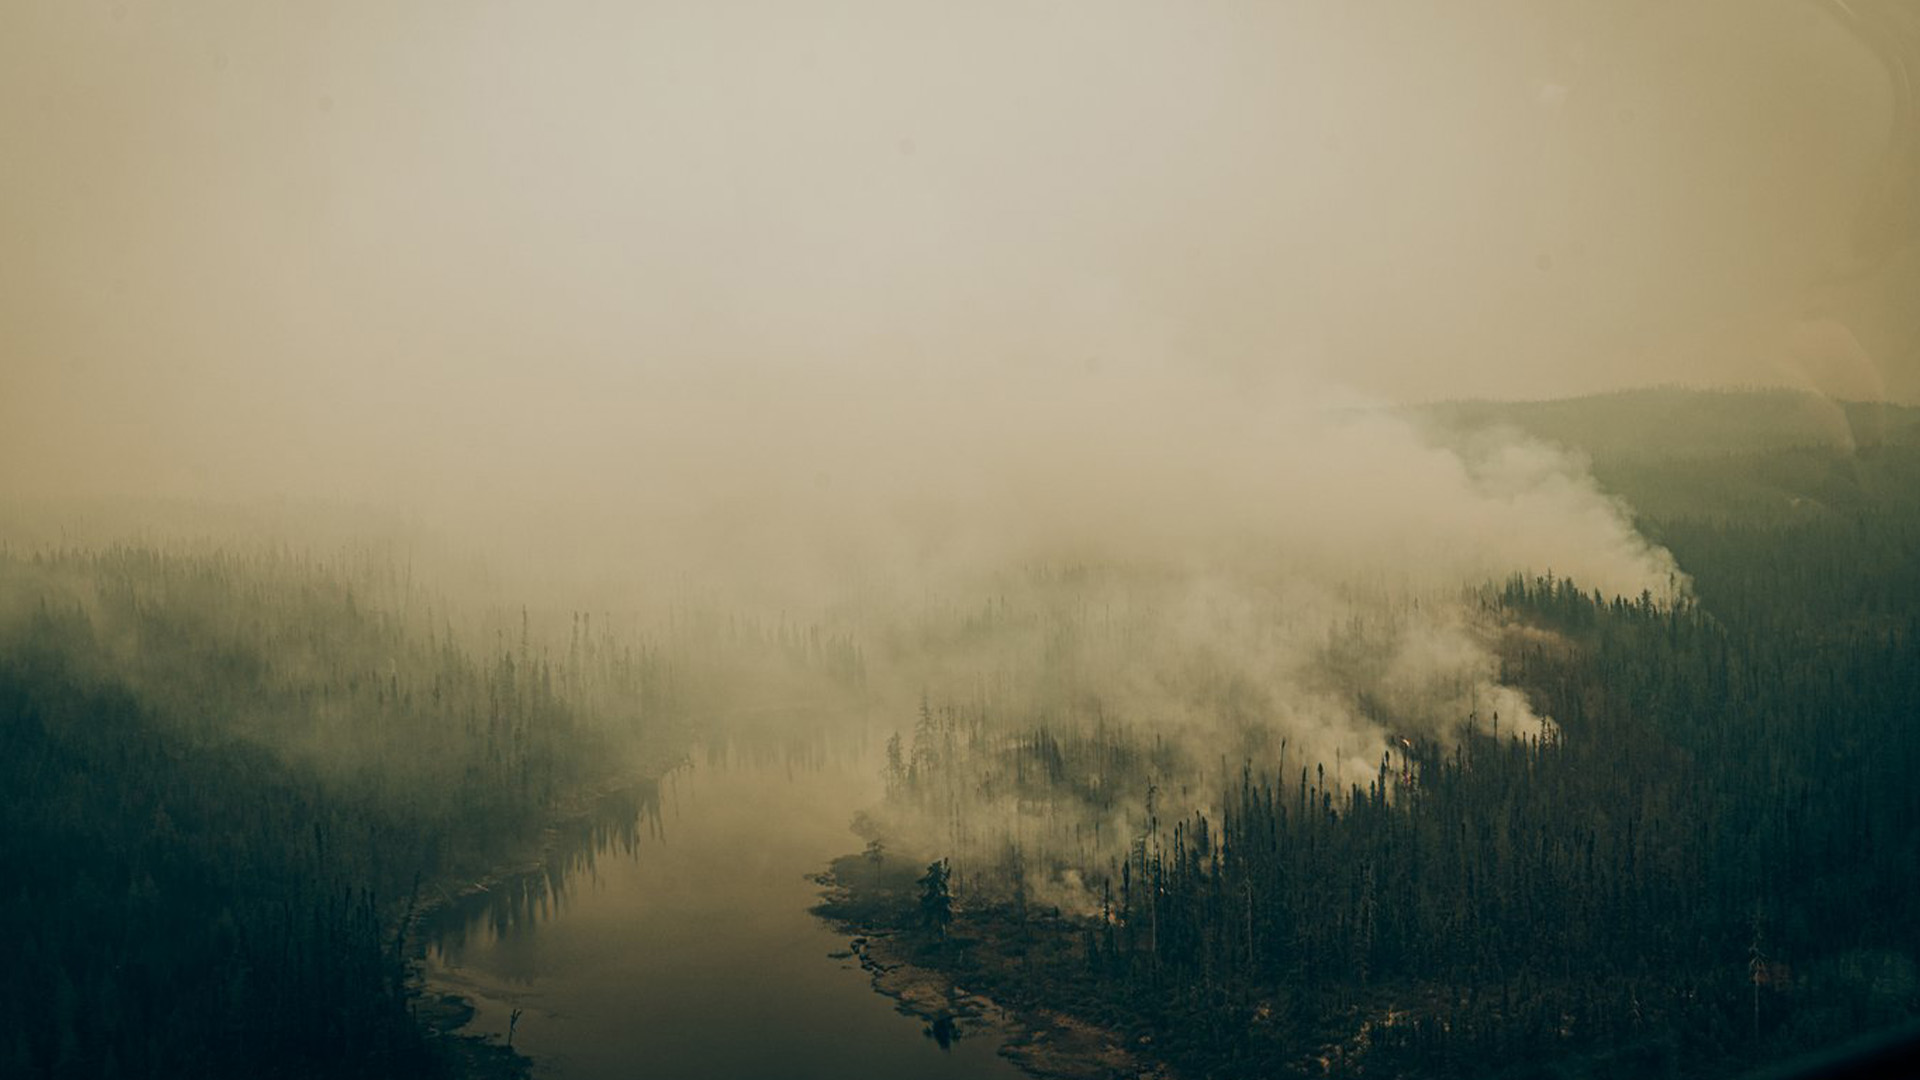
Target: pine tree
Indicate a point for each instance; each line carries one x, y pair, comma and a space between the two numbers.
936, 902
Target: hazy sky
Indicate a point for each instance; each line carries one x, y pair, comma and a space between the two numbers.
252, 244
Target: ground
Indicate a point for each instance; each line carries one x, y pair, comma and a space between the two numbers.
876, 901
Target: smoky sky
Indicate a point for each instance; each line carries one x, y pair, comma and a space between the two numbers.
436, 250
882, 309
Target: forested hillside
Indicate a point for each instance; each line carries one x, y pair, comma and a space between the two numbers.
231, 777
1624, 835
1664, 423
1708, 860
1751, 456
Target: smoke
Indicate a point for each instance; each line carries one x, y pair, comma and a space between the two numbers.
804, 489
1271, 573
1225, 571
434, 252
1154, 531
1012, 341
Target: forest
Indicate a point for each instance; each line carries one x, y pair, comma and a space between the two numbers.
234, 781
1708, 861
239, 779
1606, 835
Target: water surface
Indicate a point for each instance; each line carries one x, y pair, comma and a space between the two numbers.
676, 939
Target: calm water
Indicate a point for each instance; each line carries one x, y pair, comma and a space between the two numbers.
677, 941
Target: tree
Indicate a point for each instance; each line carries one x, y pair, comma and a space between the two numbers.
936, 902
896, 764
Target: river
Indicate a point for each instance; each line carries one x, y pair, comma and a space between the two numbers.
676, 940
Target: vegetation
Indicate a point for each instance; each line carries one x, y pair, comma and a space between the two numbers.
228, 778
936, 899
1710, 860
231, 778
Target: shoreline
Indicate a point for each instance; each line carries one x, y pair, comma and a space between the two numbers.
1043, 1043
441, 1013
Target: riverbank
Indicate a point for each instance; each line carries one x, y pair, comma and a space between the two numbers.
963, 984
569, 824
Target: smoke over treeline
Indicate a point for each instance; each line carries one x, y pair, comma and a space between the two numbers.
1021, 365
1022, 368
1181, 528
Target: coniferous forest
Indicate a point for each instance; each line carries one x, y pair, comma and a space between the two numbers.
234, 782
252, 792
1707, 863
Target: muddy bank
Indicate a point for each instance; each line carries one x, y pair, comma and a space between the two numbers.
470, 1057
875, 903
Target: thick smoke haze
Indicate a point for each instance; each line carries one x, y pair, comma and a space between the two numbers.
850, 308
389, 250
